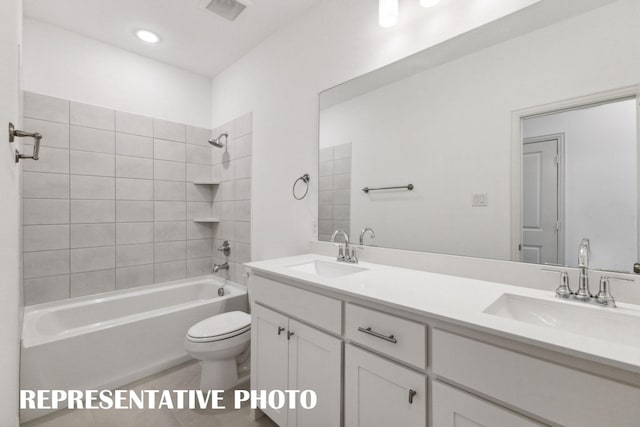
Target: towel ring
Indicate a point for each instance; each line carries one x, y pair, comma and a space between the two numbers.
304, 178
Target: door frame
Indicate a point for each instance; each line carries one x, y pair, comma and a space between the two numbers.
517, 116
559, 138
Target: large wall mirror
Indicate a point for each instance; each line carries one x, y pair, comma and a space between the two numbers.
515, 150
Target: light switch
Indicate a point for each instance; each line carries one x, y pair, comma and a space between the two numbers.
479, 200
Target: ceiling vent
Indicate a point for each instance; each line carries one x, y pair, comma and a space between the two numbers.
228, 9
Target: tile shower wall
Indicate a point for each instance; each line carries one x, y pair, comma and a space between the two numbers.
110, 203
232, 198
334, 198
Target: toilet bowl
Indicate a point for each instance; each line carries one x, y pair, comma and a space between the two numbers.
221, 343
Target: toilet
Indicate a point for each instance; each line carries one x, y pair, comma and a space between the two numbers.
221, 343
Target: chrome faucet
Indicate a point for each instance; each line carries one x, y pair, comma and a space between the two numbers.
364, 231
584, 254
218, 267
345, 254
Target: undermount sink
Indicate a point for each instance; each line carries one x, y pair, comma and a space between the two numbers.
327, 269
589, 321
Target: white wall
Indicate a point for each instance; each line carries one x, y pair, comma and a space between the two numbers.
447, 130
10, 214
279, 81
67, 65
601, 180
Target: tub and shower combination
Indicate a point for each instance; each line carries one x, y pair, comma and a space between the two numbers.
106, 341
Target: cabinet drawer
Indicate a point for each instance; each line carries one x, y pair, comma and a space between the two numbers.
553, 392
312, 308
452, 407
399, 338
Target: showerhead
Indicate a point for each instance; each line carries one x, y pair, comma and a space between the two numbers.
218, 142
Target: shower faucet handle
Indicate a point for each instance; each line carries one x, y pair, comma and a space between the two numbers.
225, 248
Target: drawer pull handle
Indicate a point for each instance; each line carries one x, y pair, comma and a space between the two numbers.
368, 330
289, 335
412, 394
280, 329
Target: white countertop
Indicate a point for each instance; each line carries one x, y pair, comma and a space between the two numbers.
460, 301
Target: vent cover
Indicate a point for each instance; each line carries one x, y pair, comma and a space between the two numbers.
228, 9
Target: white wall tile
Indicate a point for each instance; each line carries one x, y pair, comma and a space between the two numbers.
198, 210
170, 251
93, 282
169, 150
199, 193
134, 167
45, 237
167, 271
199, 248
198, 136
53, 134
243, 252
225, 191
342, 182
243, 146
134, 145
226, 231
45, 211
243, 168
243, 210
198, 172
46, 289
134, 211
92, 259
131, 255
134, 232
45, 185
134, 124
43, 107
243, 232
134, 276
199, 267
169, 171
134, 189
244, 124
92, 187
92, 116
169, 190
168, 231
170, 211
92, 235
52, 160
92, 211
170, 131
43, 264
89, 139
87, 163
200, 231
243, 189
198, 154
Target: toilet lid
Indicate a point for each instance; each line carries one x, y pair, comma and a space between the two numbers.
221, 325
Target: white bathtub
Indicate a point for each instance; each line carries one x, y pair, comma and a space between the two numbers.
108, 341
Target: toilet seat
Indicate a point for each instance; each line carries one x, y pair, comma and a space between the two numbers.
220, 327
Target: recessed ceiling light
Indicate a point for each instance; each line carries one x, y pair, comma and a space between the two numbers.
429, 3
387, 13
147, 36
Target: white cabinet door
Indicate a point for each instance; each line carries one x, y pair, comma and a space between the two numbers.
315, 364
269, 356
454, 408
379, 392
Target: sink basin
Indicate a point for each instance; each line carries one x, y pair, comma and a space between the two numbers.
595, 322
327, 269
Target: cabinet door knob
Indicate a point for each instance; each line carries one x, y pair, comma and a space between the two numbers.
280, 330
412, 394
289, 335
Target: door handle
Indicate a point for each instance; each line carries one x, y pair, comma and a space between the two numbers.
289, 335
280, 329
412, 394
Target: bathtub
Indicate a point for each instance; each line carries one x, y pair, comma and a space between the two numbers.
107, 341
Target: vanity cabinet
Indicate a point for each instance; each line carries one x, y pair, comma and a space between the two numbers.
379, 392
289, 355
454, 408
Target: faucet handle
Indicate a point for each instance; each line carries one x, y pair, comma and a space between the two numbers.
563, 290
604, 297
